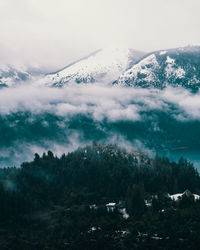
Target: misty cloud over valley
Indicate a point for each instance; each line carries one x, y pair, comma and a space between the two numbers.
37, 119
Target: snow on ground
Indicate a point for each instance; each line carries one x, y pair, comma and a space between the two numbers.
170, 60
104, 66
145, 67
11, 75
163, 52
178, 196
180, 73
124, 213
172, 70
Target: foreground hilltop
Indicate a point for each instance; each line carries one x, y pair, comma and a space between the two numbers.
99, 197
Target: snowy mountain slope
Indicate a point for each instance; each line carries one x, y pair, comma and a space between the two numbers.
103, 66
176, 67
10, 75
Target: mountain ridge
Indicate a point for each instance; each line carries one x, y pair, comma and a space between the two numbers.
119, 66
175, 67
103, 65
76, 61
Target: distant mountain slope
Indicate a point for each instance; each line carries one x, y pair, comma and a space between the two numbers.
103, 66
10, 75
176, 67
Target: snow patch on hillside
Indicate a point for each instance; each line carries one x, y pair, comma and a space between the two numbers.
172, 70
163, 52
144, 70
170, 60
9, 75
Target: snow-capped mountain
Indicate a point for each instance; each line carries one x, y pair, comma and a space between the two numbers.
103, 66
125, 67
176, 67
10, 75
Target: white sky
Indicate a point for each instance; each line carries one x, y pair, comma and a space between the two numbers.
56, 32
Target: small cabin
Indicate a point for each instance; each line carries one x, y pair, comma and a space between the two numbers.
111, 206
187, 193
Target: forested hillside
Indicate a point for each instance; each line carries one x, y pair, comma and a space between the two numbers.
60, 203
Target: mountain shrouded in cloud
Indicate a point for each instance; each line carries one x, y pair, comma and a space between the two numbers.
36, 115
10, 76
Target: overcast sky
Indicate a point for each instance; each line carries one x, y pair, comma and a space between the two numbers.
56, 32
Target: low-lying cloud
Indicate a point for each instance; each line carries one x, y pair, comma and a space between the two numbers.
37, 119
99, 102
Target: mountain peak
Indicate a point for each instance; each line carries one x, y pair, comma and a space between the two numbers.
103, 66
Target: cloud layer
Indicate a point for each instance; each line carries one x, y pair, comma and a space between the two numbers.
99, 102
37, 119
